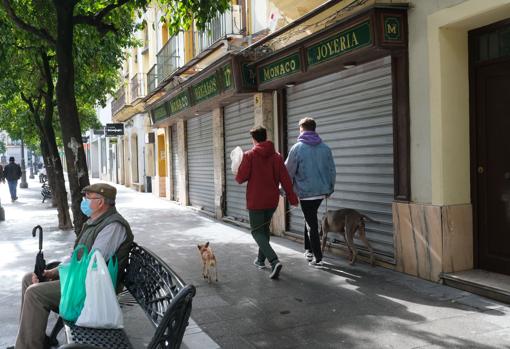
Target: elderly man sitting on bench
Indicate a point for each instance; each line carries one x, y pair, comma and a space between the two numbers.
105, 230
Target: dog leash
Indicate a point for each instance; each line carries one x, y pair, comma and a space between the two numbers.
290, 209
269, 222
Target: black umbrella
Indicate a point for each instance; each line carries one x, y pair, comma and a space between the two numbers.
40, 263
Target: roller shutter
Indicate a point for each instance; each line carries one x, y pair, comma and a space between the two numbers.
353, 110
201, 162
175, 163
238, 120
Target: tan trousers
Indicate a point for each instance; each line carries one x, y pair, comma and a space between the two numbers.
37, 300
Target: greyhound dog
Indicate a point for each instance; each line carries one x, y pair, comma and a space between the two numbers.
346, 221
208, 261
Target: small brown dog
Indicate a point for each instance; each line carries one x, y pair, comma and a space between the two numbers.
209, 262
346, 221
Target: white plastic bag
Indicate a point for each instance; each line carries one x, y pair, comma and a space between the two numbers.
101, 308
236, 156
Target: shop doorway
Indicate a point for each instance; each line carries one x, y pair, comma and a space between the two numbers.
490, 121
162, 165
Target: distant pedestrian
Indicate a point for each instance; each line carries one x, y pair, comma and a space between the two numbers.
12, 172
312, 170
2, 178
264, 170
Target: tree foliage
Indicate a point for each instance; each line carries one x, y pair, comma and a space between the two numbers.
179, 15
88, 38
16, 81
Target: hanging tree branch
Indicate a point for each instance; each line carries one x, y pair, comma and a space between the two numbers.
41, 33
96, 20
46, 69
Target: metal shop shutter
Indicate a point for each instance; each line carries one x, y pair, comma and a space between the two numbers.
238, 120
175, 163
201, 162
353, 110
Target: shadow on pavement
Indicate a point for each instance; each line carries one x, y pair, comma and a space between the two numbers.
340, 306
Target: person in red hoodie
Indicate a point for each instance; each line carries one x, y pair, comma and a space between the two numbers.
264, 170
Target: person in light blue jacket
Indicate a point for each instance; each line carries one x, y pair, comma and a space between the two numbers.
312, 171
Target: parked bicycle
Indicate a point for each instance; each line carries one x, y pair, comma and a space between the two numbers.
45, 191
42, 178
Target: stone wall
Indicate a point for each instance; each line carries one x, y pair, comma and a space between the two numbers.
432, 239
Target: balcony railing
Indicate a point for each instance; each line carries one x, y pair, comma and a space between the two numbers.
168, 58
152, 78
119, 101
138, 86
228, 23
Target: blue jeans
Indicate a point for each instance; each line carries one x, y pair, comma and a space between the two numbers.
12, 188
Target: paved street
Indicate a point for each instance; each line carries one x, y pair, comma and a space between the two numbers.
338, 307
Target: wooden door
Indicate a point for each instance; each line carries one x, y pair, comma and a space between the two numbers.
492, 165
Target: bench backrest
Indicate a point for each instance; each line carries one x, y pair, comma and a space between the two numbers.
164, 297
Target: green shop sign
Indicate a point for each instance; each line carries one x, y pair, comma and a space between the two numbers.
339, 44
392, 28
227, 77
279, 69
179, 102
206, 89
248, 75
160, 112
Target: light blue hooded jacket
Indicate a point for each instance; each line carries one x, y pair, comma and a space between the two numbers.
311, 167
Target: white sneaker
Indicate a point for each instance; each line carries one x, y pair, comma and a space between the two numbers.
316, 264
308, 255
259, 265
275, 271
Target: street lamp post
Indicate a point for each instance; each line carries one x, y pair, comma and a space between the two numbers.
31, 164
2, 212
23, 183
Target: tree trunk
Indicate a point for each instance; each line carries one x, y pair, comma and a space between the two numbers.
60, 192
57, 185
68, 111
48, 164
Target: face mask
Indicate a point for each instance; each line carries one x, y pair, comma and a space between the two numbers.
85, 207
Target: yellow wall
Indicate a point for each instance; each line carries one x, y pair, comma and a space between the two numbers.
449, 94
161, 156
164, 33
188, 46
293, 9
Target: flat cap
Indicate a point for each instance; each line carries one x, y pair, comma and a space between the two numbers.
103, 189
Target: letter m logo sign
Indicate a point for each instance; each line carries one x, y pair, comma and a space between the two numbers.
392, 28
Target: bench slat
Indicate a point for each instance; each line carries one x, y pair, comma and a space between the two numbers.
102, 338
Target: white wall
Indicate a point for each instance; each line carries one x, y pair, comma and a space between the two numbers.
94, 159
97, 170
105, 114
259, 20
136, 125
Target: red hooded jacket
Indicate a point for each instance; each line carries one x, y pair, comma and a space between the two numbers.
264, 170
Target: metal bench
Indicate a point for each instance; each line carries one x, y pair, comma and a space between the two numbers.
164, 297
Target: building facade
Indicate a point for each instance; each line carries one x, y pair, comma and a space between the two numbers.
408, 94
12, 148
457, 218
